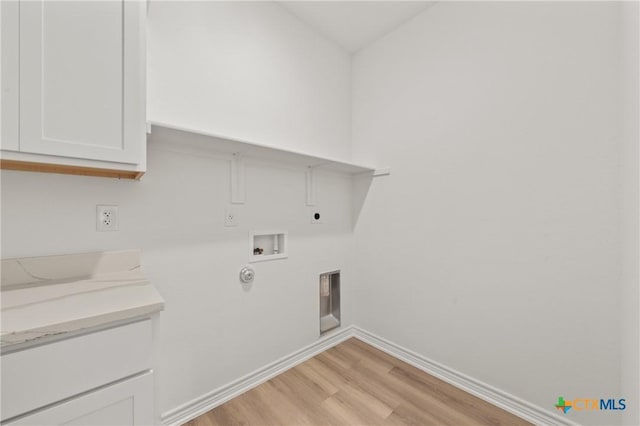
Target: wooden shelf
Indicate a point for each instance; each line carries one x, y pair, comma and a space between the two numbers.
227, 145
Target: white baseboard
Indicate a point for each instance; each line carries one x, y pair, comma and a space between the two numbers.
208, 401
523, 409
497, 397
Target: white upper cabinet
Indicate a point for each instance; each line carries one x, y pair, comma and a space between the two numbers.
81, 86
10, 74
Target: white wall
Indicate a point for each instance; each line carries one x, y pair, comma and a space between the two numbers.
630, 318
494, 247
212, 331
251, 71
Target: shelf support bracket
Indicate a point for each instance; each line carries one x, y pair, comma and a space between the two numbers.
237, 179
385, 171
311, 186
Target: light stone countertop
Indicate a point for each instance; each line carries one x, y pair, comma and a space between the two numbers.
54, 295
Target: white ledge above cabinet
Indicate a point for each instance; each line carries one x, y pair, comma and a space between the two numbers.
231, 146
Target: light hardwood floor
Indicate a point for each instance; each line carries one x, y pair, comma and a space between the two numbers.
356, 384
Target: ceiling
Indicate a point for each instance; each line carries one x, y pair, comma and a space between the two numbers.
355, 24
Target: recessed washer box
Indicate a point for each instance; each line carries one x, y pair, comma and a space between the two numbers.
267, 245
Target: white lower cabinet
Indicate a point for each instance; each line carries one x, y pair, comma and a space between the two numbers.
99, 378
129, 402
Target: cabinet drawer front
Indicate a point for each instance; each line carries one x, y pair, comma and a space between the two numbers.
39, 376
129, 402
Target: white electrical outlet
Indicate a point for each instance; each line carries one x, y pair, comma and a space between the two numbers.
106, 218
231, 216
316, 216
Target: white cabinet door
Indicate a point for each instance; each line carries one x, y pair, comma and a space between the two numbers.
9, 101
129, 402
82, 79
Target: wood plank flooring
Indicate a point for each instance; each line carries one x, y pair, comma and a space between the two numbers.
355, 384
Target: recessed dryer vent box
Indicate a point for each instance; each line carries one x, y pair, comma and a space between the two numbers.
269, 245
329, 301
